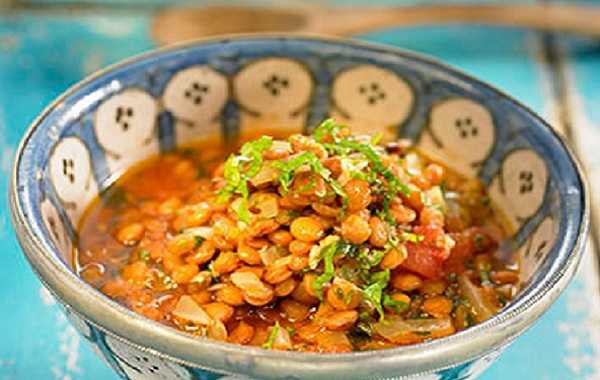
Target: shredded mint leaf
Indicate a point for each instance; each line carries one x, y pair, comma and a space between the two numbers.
375, 140
395, 184
144, 255
254, 150
327, 127
198, 240
412, 237
272, 336
373, 293
369, 258
239, 169
484, 277
327, 255
288, 168
397, 306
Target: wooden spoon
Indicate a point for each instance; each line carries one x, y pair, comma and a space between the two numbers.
179, 24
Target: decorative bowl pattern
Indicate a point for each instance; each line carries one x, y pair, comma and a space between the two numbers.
158, 101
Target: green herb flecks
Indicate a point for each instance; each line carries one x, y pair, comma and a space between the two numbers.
239, 169
484, 277
370, 258
292, 331
373, 293
411, 237
327, 255
395, 185
396, 305
288, 168
198, 240
144, 255
478, 241
328, 127
376, 139
272, 336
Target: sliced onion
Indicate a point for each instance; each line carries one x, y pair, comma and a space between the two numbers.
204, 232
314, 256
333, 341
251, 286
216, 287
189, 310
413, 164
284, 261
436, 198
269, 255
217, 330
282, 339
267, 174
267, 205
475, 298
398, 330
281, 146
202, 279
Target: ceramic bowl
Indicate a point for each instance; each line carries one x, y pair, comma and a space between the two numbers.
155, 102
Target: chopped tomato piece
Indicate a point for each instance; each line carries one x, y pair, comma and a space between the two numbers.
422, 259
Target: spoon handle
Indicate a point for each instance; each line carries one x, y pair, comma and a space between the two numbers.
583, 20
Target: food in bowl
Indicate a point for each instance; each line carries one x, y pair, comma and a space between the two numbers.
327, 243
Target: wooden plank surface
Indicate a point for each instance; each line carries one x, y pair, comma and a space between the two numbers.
41, 55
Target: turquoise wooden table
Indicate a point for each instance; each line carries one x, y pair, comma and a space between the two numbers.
43, 52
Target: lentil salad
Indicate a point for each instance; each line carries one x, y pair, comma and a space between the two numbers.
326, 243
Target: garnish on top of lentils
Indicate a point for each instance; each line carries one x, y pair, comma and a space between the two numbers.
325, 243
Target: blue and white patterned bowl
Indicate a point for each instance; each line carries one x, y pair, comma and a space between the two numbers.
152, 103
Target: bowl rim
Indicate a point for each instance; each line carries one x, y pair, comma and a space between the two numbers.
169, 343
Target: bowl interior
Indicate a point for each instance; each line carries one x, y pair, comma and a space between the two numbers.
158, 102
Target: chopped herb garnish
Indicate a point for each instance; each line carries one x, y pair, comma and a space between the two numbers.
412, 237
395, 185
240, 169
288, 168
198, 241
470, 320
375, 140
327, 128
367, 258
327, 255
397, 306
144, 255
291, 330
478, 241
349, 296
484, 277
362, 330
374, 292
272, 336
452, 277
372, 257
